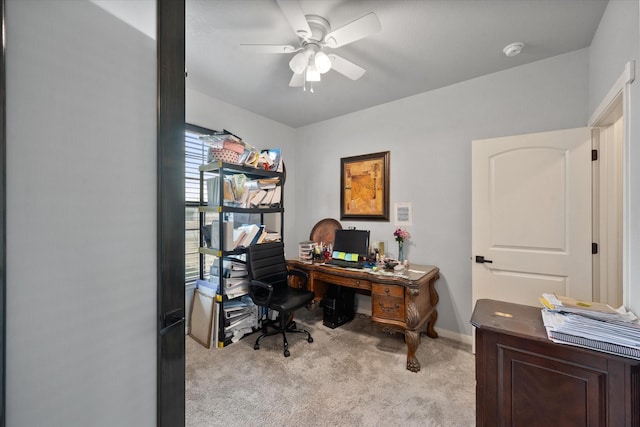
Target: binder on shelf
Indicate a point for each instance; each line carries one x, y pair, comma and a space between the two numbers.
233, 268
238, 312
251, 231
228, 235
235, 273
263, 235
213, 193
256, 198
238, 237
257, 236
233, 282
277, 197
215, 324
231, 322
266, 201
235, 287
228, 192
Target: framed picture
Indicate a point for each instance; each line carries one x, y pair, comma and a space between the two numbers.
403, 214
364, 187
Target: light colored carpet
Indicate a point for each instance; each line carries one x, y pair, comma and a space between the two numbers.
354, 375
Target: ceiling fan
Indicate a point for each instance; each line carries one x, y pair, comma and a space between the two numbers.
315, 34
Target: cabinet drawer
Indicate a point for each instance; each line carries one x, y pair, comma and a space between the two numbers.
388, 307
388, 290
387, 302
343, 281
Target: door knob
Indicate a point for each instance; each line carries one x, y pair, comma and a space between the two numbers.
481, 260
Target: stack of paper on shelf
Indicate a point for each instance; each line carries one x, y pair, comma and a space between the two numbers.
240, 318
235, 287
591, 325
272, 236
234, 268
268, 183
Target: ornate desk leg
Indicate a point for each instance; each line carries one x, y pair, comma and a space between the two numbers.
431, 332
412, 336
413, 340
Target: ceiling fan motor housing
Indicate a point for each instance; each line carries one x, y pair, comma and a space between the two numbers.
319, 28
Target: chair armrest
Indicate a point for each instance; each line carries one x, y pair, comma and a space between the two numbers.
260, 292
302, 274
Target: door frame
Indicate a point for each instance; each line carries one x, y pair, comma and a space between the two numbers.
3, 217
621, 88
170, 27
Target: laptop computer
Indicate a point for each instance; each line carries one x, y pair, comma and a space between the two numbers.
350, 248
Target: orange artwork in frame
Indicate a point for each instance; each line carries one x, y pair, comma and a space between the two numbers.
364, 187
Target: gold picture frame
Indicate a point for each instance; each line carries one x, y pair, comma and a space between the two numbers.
364, 187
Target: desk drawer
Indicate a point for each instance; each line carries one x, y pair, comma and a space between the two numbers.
388, 302
343, 281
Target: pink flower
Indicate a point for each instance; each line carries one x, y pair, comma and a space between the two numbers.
401, 234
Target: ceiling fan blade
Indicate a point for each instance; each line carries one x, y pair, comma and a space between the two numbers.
346, 67
360, 28
293, 13
268, 48
297, 80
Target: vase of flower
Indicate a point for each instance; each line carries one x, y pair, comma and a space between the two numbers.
401, 235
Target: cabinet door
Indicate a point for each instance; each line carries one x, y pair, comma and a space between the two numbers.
543, 391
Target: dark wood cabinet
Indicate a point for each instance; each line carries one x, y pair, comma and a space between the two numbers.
524, 379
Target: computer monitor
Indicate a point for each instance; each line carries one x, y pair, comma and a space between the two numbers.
352, 242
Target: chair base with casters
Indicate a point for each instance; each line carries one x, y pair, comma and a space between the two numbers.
269, 288
283, 327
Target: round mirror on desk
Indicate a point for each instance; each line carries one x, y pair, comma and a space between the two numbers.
324, 231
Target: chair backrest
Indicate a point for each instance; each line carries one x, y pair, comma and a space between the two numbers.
266, 263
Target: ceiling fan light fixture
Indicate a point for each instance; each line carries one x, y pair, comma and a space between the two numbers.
312, 74
322, 62
298, 63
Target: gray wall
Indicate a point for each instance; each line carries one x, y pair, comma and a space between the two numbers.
81, 218
429, 136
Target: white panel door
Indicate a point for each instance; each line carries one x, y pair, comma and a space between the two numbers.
531, 220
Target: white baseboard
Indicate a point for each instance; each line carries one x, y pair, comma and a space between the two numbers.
456, 336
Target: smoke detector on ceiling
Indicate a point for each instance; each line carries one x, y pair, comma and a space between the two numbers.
513, 49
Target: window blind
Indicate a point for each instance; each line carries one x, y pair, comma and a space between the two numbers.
195, 155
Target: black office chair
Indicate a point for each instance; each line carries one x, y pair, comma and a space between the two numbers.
269, 287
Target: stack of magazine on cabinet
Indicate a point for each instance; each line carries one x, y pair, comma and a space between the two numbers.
591, 325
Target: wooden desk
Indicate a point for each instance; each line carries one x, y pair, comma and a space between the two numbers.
524, 379
406, 302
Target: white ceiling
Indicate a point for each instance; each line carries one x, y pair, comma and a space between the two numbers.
423, 45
